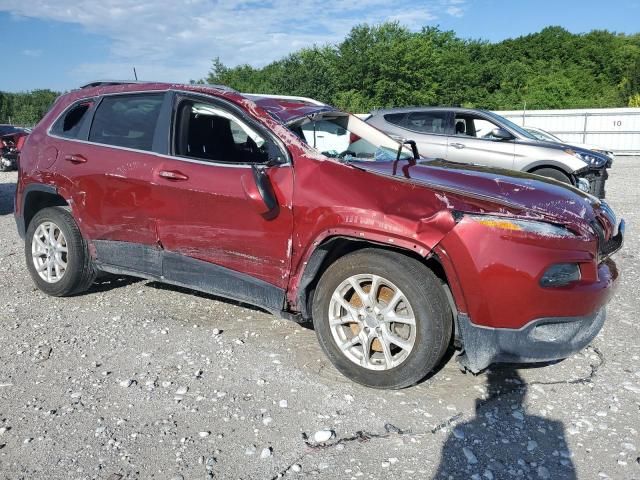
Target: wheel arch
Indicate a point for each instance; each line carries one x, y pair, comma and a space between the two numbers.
335, 247
36, 197
569, 175
538, 164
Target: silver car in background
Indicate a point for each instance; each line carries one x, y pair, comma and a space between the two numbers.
541, 134
482, 137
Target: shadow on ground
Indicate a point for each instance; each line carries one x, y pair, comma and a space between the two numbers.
106, 282
503, 440
7, 191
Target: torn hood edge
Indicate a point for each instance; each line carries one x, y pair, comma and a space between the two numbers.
524, 194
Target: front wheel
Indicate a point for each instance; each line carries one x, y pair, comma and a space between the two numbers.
56, 254
553, 173
382, 318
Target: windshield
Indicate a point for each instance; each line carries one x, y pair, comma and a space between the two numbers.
517, 128
340, 135
542, 135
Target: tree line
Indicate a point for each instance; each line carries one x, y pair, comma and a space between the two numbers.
25, 108
388, 65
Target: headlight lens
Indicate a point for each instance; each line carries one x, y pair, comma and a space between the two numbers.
532, 226
591, 160
605, 152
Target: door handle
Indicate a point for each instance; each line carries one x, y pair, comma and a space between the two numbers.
75, 159
173, 175
458, 145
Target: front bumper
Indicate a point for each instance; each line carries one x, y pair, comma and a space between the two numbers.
541, 340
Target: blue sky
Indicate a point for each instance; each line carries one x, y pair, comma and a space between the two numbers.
60, 44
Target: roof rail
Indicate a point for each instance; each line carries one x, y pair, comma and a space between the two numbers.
286, 97
101, 83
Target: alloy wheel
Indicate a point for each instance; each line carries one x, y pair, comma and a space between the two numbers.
49, 251
372, 322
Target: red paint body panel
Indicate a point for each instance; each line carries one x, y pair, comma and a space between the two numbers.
500, 272
209, 217
209, 212
112, 193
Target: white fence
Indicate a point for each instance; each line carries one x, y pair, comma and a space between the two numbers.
616, 129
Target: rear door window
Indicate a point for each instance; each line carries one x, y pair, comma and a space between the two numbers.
70, 123
127, 120
433, 122
428, 122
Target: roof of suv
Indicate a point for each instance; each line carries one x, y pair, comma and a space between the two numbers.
282, 107
384, 111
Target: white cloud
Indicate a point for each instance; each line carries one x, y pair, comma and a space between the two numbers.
455, 11
176, 40
31, 52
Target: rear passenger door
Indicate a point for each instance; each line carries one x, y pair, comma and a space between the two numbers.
110, 166
428, 129
472, 142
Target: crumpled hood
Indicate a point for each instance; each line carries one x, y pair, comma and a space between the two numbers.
527, 194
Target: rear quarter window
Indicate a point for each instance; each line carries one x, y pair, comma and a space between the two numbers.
396, 119
127, 120
69, 124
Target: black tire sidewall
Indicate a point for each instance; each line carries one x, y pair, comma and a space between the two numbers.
428, 301
554, 174
75, 256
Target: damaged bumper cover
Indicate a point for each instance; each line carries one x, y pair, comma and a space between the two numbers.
592, 180
541, 340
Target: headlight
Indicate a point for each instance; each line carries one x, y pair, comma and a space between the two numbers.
531, 226
596, 161
604, 152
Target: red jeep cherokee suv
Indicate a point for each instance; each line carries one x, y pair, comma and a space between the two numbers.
310, 213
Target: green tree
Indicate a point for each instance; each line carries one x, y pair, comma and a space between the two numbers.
389, 65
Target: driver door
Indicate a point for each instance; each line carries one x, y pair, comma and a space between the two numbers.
207, 212
472, 142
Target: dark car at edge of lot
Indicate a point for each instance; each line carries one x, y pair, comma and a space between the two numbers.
11, 141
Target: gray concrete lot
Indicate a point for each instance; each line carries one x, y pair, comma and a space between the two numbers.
138, 380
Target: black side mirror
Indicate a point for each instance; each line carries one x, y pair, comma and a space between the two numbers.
259, 191
501, 134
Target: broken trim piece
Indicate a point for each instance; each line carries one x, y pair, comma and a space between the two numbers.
173, 268
541, 340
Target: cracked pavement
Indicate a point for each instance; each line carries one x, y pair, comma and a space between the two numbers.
136, 380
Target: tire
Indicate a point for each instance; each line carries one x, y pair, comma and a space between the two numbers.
553, 173
388, 366
79, 273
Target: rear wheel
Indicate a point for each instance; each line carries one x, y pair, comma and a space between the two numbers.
56, 254
553, 173
382, 318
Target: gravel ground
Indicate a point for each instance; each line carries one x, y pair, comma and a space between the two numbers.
139, 380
